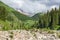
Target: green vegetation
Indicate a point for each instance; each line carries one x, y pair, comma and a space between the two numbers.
51, 19
3, 13
11, 19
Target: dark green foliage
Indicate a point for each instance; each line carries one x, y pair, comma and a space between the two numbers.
50, 19
3, 13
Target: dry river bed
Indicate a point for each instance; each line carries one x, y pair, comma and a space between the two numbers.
29, 35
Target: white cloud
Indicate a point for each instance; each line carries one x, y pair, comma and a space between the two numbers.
35, 7
54, 6
14, 3
18, 2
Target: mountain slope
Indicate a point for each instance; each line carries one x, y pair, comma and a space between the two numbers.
13, 14
36, 16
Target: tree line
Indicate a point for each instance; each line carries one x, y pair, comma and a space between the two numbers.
3, 13
51, 19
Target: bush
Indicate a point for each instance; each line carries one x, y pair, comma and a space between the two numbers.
51, 31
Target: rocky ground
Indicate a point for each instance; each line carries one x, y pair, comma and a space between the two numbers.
28, 35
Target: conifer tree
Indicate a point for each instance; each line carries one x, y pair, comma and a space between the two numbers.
3, 13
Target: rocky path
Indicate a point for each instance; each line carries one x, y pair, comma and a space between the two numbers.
27, 35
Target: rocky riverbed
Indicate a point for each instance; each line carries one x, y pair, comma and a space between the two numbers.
28, 35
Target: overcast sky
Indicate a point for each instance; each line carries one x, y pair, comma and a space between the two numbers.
33, 6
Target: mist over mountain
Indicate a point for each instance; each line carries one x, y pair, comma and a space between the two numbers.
23, 12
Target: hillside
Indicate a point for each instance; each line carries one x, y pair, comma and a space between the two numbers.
37, 16
14, 13
15, 19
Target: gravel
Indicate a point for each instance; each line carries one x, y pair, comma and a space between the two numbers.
26, 35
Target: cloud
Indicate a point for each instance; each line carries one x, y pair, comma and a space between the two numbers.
14, 4
18, 2
33, 6
54, 6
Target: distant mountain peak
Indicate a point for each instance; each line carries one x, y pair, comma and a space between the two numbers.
23, 12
